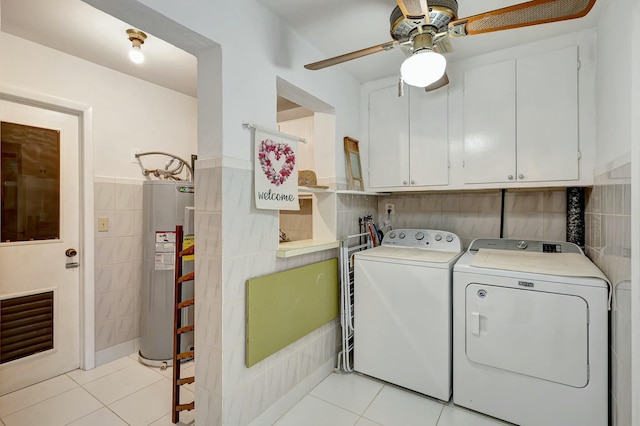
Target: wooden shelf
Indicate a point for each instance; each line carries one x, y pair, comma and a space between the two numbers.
354, 192
298, 248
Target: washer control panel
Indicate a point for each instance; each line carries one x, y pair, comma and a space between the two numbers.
423, 238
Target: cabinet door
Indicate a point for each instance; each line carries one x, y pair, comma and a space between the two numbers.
490, 123
428, 137
547, 113
388, 139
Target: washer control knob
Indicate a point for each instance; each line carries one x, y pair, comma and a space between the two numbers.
392, 235
402, 235
419, 236
438, 237
449, 238
522, 245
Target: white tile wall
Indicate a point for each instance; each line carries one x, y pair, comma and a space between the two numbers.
250, 239
118, 261
608, 244
531, 214
208, 294
352, 206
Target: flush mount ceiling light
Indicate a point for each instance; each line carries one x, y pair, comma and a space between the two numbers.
424, 66
137, 39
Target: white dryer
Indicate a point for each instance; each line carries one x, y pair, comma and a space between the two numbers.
530, 333
402, 310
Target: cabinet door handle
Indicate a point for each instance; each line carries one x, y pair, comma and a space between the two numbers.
520, 176
404, 182
413, 182
510, 177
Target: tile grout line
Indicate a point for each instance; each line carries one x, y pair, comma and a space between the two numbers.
124, 396
42, 400
88, 414
97, 378
369, 405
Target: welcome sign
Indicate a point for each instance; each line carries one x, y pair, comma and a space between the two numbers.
276, 171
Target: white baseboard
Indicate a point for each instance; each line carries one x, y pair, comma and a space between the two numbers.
118, 351
287, 401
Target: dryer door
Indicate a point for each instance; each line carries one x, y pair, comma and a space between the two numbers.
538, 334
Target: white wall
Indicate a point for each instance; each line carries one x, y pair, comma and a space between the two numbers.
256, 48
127, 112
613, 83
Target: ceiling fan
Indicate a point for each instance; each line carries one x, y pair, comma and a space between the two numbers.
423, 30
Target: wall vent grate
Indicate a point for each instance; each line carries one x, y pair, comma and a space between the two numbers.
26, 326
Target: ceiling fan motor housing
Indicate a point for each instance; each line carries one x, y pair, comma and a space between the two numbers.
441, 12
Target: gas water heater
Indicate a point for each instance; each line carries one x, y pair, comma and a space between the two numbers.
165, 205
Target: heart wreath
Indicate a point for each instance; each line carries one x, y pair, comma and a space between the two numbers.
279, 150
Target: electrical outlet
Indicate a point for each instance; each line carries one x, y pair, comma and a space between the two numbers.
135, 151
103, 224
390, 208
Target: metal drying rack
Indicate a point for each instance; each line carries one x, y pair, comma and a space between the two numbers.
348, 247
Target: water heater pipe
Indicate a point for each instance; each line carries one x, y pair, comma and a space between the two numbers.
140, 154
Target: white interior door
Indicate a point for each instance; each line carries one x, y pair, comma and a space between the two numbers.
39, 283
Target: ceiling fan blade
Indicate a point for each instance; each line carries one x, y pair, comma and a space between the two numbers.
352, 55
443, 81
414, 8
521, 15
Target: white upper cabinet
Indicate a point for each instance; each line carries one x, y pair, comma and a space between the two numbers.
521, 120
547, 116
388, 138
490, 123
408, 145
428, 137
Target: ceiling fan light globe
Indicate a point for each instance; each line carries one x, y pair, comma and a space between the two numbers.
423, 68
136, 56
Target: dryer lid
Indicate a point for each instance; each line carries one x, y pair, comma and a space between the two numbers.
559, 264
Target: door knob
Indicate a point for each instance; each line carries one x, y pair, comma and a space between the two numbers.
510, 177
520, 176
71, 252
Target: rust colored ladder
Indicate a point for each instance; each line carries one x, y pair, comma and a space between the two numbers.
179, 329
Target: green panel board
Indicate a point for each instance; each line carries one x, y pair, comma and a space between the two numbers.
285, 306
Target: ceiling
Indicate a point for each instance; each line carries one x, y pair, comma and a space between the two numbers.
337, 26
334, 27
74, 27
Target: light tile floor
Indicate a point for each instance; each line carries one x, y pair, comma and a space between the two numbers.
125, 392
120, 393
352, 399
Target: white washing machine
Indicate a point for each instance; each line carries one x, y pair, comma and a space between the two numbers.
530, 333
402, 310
